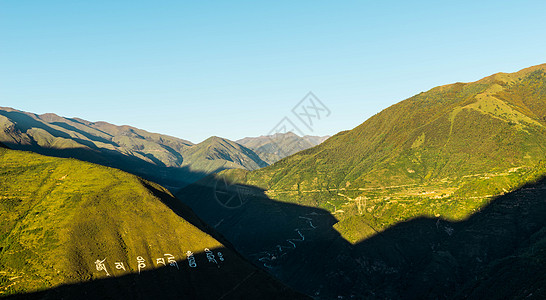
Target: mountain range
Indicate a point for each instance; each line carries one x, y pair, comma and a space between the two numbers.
272, 148
167, 160
438, 196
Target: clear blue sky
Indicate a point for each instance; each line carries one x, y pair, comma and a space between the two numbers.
236, 68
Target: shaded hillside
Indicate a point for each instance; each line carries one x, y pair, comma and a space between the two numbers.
52, 131
70, 229
272, 148
169, 161
444, 152
497, 253
165, 283
296, 244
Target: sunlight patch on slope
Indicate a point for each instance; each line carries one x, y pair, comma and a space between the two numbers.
487, 103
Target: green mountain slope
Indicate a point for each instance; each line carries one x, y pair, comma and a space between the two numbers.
169, 161
444, 153
61, 220
272, 148
440, 196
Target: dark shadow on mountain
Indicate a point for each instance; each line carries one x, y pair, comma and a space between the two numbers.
295, 243
174, 153
232, 278
171, 177
87, 135
156, 161
24, 123
86, 123
185, 212
438, 259
497, 253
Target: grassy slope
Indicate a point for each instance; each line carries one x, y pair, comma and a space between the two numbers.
57, 216
444, 153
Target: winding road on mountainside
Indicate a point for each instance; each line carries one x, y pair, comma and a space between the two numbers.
272, 192
269, 257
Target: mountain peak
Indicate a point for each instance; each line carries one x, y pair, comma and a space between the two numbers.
215, 139
449, 133
285, 134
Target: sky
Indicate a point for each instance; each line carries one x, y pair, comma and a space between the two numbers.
195, 69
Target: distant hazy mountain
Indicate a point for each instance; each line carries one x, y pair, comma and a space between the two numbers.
164, 159
75, 230
272, 148
440, 196
216, 154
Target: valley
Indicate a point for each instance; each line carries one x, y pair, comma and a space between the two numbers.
233, 150
426, 195
438, 196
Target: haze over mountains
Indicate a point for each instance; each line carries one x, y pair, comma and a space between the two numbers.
438, 196
170, 161
272, 148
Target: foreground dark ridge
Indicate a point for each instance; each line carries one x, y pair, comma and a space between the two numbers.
497, 253
167, 282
